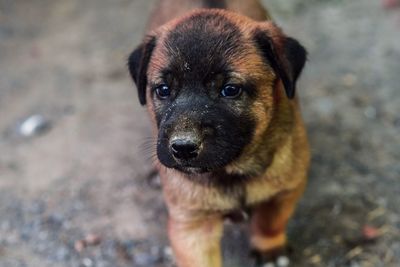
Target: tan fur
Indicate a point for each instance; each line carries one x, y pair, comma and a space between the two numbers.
193, 240
196, 211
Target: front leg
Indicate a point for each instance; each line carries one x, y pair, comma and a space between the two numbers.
196, 243
269, 222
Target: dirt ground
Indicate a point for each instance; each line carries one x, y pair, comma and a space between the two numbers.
87, 175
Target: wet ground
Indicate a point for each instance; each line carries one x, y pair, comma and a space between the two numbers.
79, 193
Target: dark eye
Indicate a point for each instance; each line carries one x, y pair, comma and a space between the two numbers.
163, 91
231, 91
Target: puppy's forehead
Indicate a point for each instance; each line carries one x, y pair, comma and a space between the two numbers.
204, 42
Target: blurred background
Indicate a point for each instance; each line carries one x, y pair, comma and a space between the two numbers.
76, 185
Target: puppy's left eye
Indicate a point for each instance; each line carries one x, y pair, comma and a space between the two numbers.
163, 91
231, 91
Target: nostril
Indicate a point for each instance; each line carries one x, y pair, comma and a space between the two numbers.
184, 149
189, 148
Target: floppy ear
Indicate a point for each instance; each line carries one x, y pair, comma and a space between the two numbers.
138, 62
287, 63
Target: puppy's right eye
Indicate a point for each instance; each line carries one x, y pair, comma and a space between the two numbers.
231, 91
163, 91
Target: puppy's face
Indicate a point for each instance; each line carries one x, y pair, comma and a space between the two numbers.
209, 80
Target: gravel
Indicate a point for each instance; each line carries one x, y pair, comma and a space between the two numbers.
88, 175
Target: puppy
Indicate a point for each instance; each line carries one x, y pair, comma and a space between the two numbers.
219, 85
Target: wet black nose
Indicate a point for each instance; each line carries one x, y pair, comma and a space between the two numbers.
184, 149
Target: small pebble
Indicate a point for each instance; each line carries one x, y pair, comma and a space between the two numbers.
354, 252
349, 79
370, 112
11, 239
155, 251
316, 259
370, 233
145, 259
87, 262
92, 240
5, 226
43, 235
168, 254
89, 240
355, 264
38, 207
79, 246
55, 221
325, 106
62, 254
33, 125
283, 261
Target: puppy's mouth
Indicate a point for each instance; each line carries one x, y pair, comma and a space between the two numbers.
199, 166
192, 170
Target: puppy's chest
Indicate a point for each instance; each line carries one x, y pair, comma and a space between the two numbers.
253, 192
193, 196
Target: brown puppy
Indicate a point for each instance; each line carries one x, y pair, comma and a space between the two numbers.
219, 87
